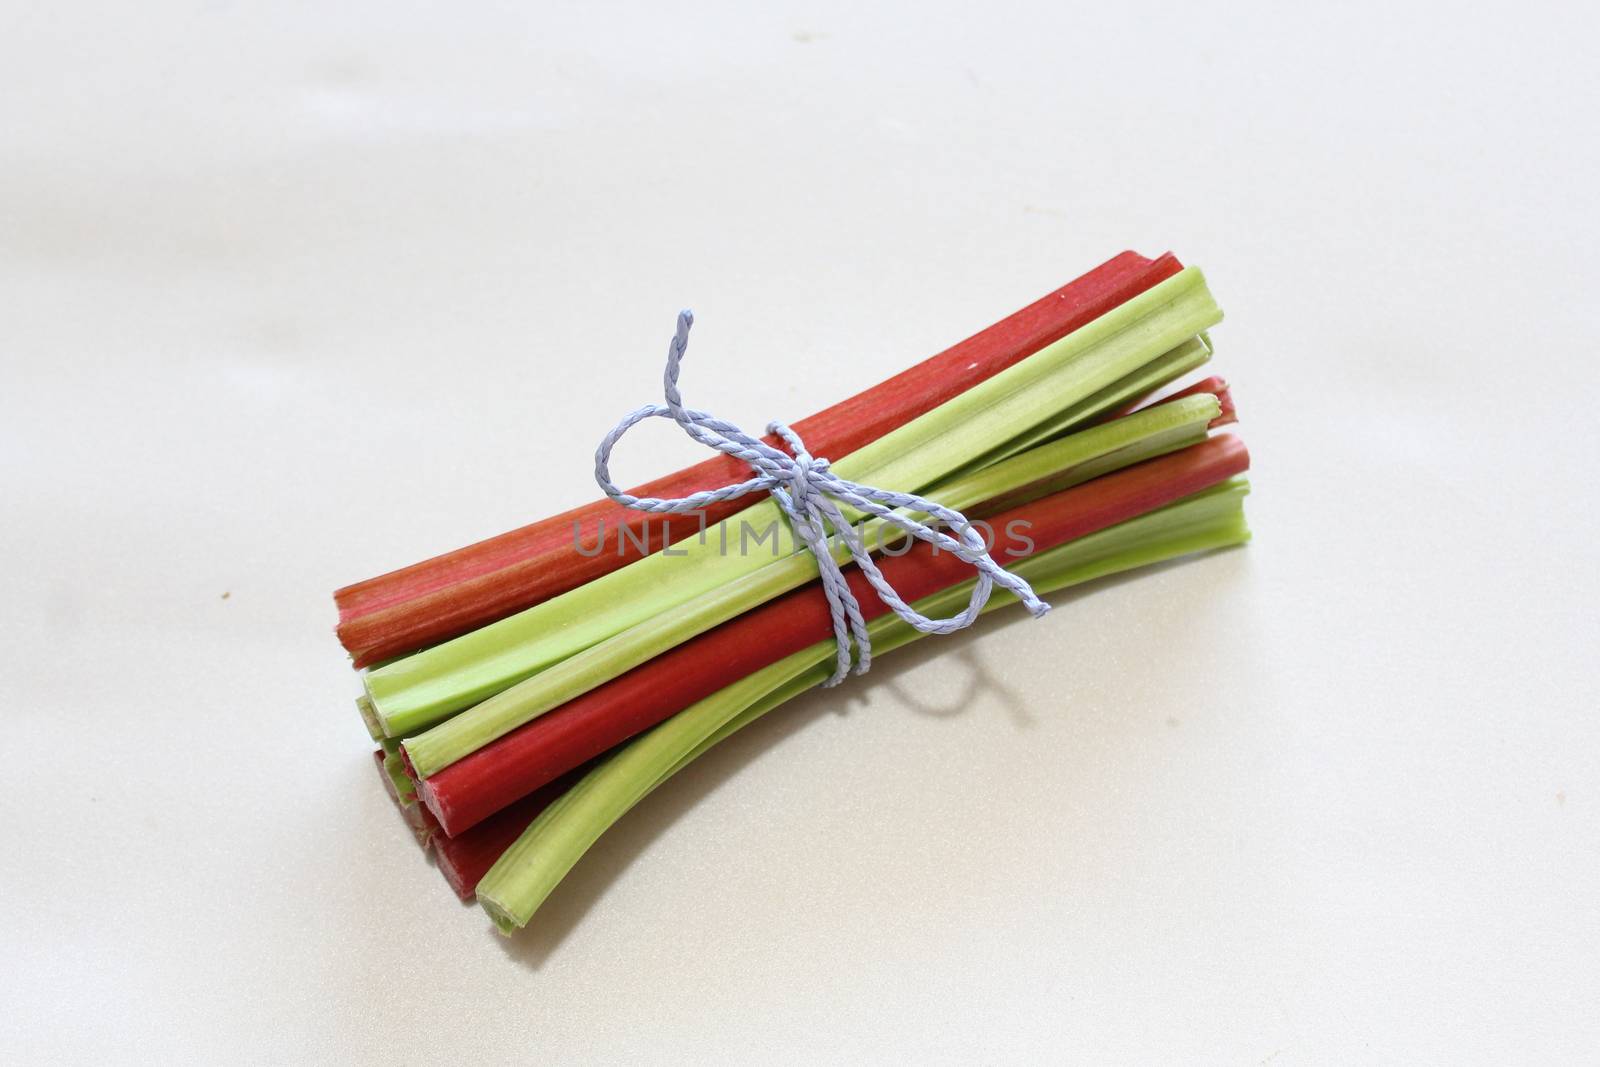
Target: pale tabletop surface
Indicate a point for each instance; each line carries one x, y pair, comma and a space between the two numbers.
294, 294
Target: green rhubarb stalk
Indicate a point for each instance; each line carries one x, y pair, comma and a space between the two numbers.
1165, 368
1081, 457
1046, 469
530, 869
421, 689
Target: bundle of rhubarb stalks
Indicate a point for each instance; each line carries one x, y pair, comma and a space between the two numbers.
528, 690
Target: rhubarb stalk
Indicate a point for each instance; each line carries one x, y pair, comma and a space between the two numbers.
498, 773
455, 593
530, 869
442, 680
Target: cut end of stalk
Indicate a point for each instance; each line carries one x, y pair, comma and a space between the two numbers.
503, 919
1224, 397
405, 790
436, 805
411, 812
369, 718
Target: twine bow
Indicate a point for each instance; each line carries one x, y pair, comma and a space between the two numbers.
806, 489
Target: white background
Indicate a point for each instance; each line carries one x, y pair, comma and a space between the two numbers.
291, 294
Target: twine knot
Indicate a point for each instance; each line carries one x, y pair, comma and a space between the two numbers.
809, 493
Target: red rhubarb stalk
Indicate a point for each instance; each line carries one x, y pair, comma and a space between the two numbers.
467, 857
472, 789
449, 595
1213, 385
